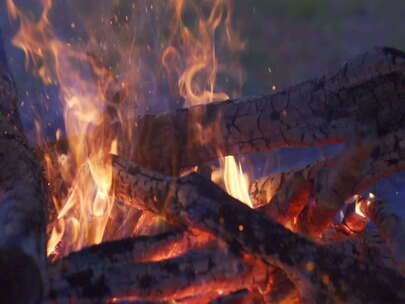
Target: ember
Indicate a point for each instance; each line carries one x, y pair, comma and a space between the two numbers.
133, 215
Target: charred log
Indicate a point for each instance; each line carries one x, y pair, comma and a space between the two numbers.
368, 91
320, 274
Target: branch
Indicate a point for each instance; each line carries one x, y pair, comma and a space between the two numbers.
320, 274
23, 204
368, 90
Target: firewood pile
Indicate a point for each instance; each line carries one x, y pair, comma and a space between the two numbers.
289, 248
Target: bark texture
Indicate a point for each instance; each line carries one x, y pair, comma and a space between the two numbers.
23, 204
320, 274
367, 91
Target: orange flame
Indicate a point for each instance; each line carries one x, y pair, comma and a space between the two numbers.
83, 214
96, 125
236, 181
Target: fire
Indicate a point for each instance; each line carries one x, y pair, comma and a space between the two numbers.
94, 76
83, 214
236, 181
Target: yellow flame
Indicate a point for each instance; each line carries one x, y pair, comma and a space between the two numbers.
84, 213
236, 182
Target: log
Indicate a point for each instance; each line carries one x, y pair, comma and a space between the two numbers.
131, 250
320, 274
368, 90
23, 204
191, 274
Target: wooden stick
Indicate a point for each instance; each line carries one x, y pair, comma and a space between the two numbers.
320, 274
368, 90
23, 204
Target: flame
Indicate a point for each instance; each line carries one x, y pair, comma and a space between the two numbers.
83, 213
191, 56
120, 56
236, 182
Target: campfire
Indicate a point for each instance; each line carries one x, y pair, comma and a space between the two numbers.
139, 197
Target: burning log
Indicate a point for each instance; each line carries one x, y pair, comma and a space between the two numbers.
130, 250
284, 195
320, 274
193, 273
333, 187
23, 204
368, 91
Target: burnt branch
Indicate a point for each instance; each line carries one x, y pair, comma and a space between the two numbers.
320, 274
368, 91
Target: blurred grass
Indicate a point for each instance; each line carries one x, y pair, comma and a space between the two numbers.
296, 39
299, 39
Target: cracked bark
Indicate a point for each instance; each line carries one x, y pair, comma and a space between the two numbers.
368, 90
23, 204
320, 274
191, 274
